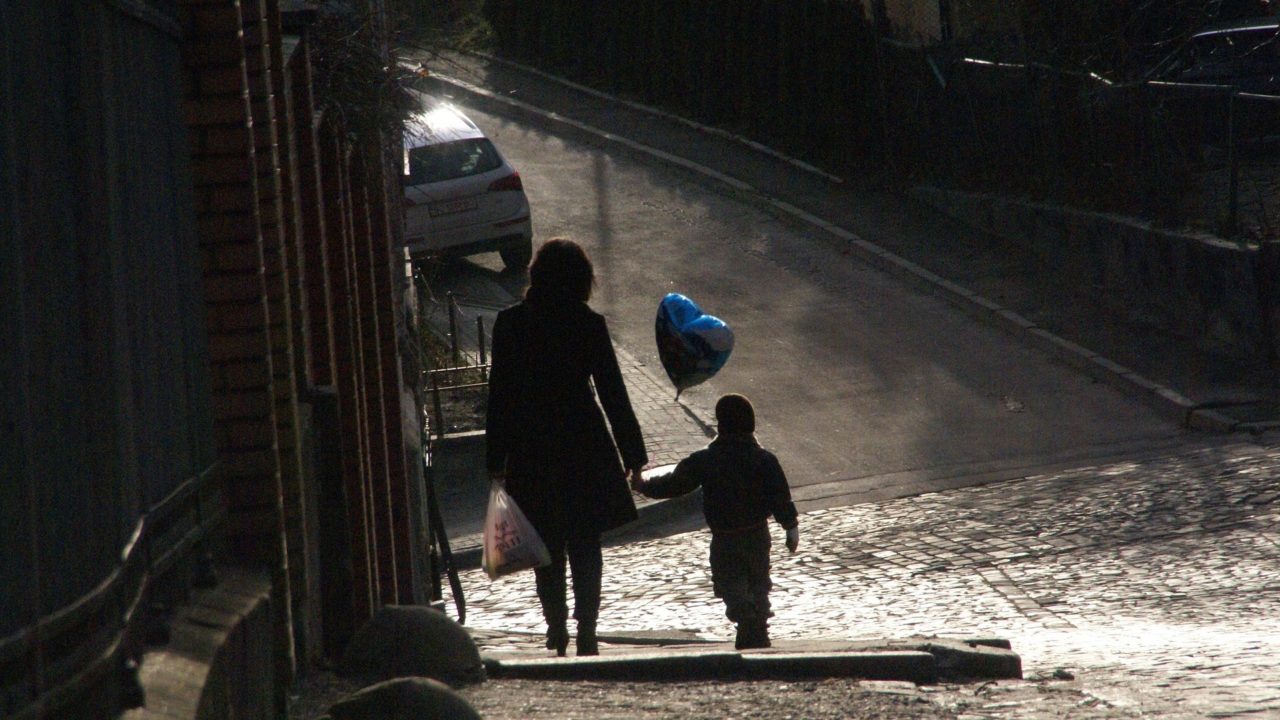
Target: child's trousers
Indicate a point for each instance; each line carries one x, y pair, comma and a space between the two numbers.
740, 574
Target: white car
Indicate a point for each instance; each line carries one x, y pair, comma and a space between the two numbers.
461, 196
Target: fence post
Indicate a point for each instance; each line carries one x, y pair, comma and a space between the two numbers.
1266, 272
881, 30
453, 329
1233, 164
435, 401
420, 294
480, 343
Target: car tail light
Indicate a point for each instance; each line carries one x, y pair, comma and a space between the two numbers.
510, 182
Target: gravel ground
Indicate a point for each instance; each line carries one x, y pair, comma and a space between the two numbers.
760, 700
766, 700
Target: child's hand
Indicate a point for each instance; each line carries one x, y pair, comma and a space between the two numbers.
793, 538
635, 479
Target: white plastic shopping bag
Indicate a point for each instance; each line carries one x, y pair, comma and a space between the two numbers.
510, 542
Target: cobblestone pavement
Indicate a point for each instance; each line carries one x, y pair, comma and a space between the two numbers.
1155, 582
834, 699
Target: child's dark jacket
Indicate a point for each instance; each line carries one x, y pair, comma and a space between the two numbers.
742, 484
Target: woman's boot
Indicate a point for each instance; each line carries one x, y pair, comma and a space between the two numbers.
551, 595
587, 643
558, 637
752, 634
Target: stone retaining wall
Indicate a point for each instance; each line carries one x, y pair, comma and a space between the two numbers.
1196, 286
219, 661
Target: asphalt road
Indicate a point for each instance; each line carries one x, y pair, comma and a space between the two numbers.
866, 388
1130, 587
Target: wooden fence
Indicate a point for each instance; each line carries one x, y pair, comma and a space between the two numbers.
819, 79
106, 442
1145, 149
800, 75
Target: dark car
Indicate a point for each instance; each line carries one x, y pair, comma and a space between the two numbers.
1241, 54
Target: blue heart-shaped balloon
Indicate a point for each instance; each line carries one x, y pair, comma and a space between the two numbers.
692, 345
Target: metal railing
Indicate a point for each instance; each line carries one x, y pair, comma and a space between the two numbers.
463, 372
48, 666
437, 389
460, 373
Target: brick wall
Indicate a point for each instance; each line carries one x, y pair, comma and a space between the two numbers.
299, 259
231, 161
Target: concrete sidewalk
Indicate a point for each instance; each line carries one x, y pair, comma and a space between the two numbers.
918, 660
672, 655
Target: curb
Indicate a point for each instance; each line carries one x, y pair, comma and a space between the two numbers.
976, 659
912, 666
922, 662
1168, 401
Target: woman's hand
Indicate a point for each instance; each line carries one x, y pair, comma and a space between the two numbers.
635, 479
497, 477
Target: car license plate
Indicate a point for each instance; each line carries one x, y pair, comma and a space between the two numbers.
449, 207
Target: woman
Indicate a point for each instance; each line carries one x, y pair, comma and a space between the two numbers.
547, 439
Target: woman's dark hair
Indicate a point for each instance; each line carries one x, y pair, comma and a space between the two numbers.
561, 271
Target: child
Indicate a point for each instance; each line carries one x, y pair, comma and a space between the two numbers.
742, 484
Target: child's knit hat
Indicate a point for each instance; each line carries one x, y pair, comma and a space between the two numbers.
734, 414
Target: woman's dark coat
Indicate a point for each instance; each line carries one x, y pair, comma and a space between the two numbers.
544, 427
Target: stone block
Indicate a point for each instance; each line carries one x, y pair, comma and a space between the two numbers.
636, 667
218, 662
1061, 348
907, 665
459, 460
1211, 420
411, 640
975, 659
408, 698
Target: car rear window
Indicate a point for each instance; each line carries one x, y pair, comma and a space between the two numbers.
447, 161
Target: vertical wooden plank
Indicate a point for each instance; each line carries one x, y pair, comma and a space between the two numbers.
387, 305
345, 369
17, 578
374, 413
